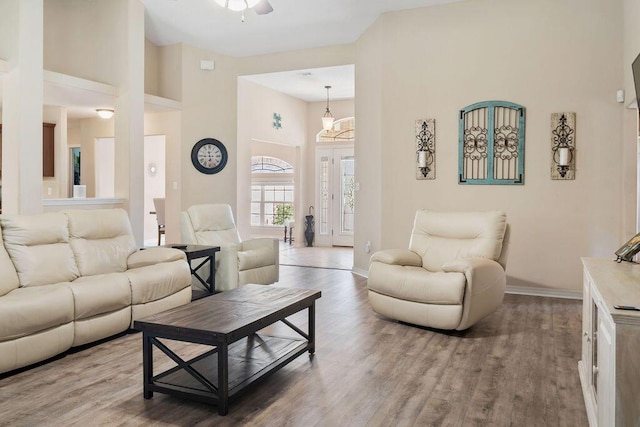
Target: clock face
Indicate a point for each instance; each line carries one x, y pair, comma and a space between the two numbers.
209, 156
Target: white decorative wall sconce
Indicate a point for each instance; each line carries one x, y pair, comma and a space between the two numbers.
563, 146
426, 149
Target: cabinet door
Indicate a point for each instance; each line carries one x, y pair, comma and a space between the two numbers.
587, 328
48, 151
605, 370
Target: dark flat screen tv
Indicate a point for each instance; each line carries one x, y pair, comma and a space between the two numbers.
636, 77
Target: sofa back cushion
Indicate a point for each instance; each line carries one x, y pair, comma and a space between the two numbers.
440, 237
101, 240
38, 246
9, 277
212, 224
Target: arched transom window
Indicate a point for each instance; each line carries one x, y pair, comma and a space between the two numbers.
265, 164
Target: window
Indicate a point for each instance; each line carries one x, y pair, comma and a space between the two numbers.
491, 143
271, 191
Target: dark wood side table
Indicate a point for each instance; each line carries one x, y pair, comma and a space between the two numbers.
196, 252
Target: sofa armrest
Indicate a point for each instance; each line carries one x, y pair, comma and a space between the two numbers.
227, 264
397, 257
153, 256
485, 287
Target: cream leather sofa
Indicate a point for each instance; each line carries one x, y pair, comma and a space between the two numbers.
70, 278
452, 275
238, 262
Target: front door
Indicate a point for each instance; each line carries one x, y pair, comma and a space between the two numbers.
336, 186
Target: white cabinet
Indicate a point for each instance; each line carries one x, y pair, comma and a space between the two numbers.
610, 365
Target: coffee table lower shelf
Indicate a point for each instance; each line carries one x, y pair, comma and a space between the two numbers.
249, 360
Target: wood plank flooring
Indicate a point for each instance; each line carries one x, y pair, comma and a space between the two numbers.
517, 367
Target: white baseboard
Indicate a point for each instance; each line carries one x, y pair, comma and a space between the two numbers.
544, 292
360, 272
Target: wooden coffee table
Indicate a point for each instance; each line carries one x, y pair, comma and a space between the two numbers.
230, 322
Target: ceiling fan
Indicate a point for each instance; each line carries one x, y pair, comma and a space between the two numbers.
262, 7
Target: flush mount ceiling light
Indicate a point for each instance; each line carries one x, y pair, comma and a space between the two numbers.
327, 119
105, 113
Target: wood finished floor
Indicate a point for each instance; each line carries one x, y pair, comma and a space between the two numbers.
517, 367
336, 257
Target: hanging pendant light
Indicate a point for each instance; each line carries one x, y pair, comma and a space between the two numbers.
237, 5
327, 119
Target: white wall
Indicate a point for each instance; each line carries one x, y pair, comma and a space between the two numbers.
547, 55
87, 39
209, 110
104, 162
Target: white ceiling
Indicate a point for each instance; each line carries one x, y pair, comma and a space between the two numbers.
294, 24
309, 85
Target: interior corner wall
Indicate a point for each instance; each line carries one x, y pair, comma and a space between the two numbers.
548, 56
151, 68
170, 71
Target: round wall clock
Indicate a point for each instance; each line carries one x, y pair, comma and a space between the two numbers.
209, 156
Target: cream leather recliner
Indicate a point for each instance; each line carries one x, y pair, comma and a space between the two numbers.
452, 275
238, 262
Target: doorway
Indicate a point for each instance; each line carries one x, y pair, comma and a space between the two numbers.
335, 167
154, 185
154, 177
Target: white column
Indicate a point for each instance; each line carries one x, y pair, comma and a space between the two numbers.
22, 112
129, 123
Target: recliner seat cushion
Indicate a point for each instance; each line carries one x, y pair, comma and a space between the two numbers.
26, 311
101, 240
155, 282
100, 294
439, 237
39, 248
416, 284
